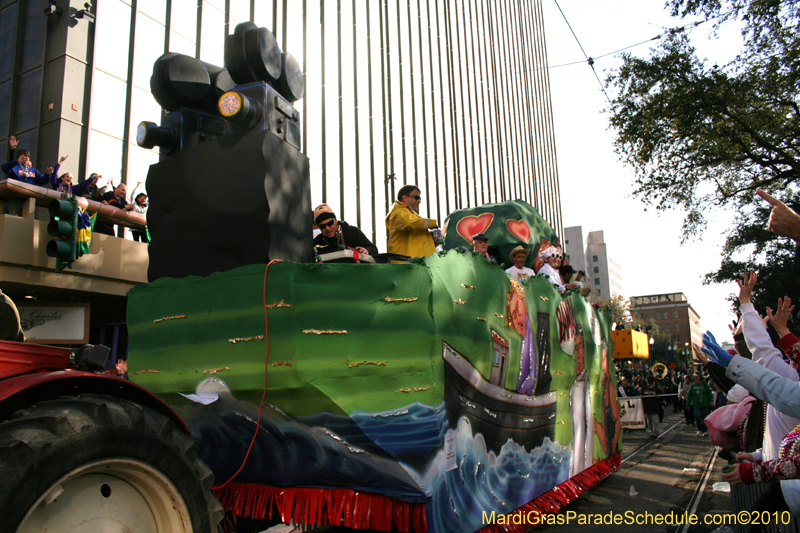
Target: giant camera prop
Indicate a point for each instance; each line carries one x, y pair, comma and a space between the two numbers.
232, 186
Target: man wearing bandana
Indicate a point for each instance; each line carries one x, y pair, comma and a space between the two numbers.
335, 232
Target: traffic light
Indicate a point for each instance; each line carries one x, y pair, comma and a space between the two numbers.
63, 226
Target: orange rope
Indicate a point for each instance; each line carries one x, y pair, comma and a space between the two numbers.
264, 394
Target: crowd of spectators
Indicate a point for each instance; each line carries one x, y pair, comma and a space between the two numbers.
690, 390
20, 168
754, 394
747, 399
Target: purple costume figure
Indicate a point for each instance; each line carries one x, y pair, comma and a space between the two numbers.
517, 317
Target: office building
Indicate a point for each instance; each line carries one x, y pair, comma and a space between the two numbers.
453, 96
591, 256
674, 316
604, 273
574, 249
396, 93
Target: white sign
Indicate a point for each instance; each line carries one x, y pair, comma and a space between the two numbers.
55, 323
450, 451
205, 398
632, 413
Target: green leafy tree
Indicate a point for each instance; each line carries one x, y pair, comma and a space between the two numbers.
700, 135
617, 306
623, 313
750, 246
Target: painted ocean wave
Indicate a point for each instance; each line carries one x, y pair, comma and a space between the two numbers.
400, 453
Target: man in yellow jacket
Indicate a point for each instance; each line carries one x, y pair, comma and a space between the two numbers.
408, 232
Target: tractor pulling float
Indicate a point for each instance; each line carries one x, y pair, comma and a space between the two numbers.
422, 396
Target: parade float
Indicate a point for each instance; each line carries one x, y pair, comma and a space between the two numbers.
412, 396
417, 395
434, 395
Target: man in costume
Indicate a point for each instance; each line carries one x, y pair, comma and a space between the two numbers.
551, 258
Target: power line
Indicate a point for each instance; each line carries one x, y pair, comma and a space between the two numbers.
589, 60
609, 53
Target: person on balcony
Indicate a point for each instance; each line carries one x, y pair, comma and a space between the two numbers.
87, 187
20, 167
63, 183
140, 206
115, 198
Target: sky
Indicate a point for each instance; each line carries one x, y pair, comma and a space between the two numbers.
596, 188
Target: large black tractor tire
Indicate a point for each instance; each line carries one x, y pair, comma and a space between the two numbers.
96, 463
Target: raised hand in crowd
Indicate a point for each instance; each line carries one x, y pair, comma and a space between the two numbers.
780, 319
746, 287
714, 351
783, 220
699, 355
13, 142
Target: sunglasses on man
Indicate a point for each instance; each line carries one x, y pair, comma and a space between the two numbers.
323, 225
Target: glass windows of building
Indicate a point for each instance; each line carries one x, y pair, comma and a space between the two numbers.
596, 270
21, 80
595, 258
396, 93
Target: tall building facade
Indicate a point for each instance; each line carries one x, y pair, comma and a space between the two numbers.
574, 248
591, 256
602, 270
674, 316
451, 95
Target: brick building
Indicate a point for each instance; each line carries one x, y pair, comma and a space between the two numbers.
673, 314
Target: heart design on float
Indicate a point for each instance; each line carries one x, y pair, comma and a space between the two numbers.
520, 230
473, 224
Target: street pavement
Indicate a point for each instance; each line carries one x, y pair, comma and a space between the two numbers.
659, 480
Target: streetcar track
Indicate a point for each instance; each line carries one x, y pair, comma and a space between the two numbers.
650, 442
694, 502
700, 488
